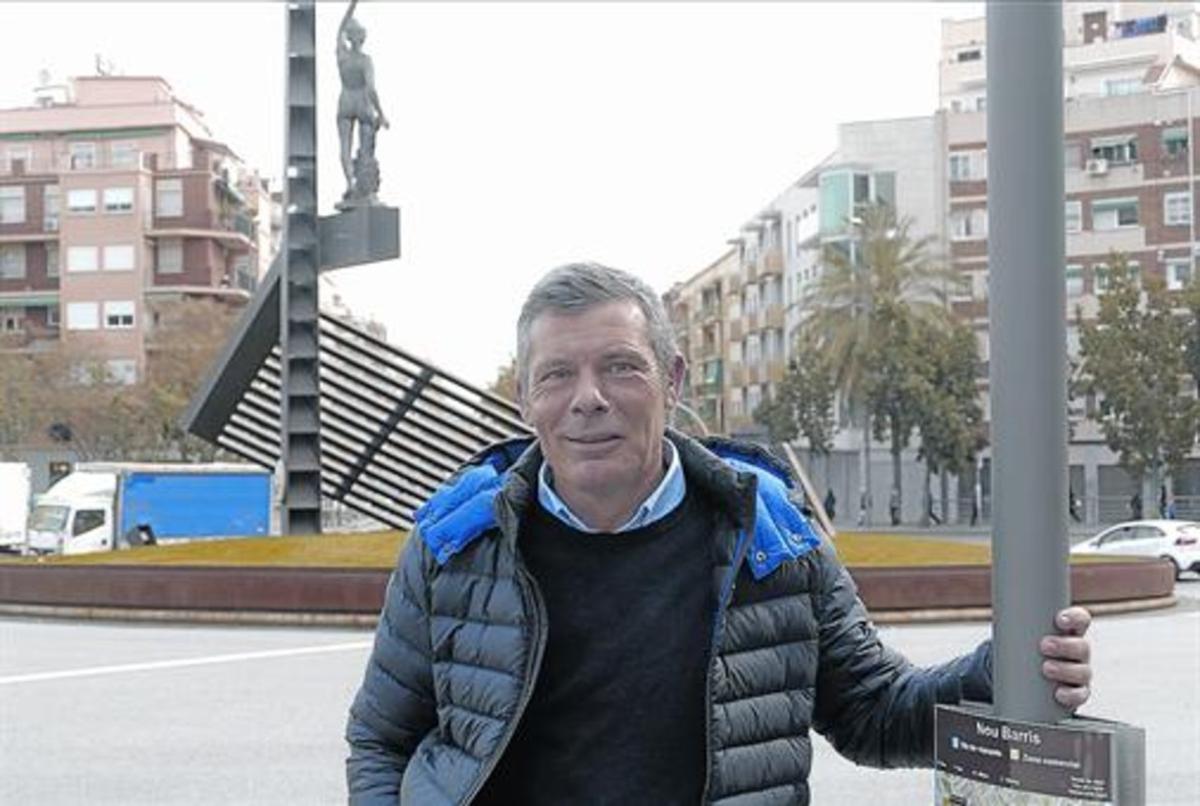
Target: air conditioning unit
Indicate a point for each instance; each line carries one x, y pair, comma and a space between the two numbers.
1097, 167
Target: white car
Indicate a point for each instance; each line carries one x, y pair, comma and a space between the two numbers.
1177, 541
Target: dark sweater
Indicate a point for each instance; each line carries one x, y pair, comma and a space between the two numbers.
618, 712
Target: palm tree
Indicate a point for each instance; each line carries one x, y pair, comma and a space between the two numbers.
879, 276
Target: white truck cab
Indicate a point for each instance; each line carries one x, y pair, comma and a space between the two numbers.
75, 516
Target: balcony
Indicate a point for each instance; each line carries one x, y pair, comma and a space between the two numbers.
234, 230
1101, 242
773, 316
1105, 176
771, 262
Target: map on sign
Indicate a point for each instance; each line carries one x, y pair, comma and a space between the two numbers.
984, 761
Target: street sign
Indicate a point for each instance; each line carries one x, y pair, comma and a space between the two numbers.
984, 760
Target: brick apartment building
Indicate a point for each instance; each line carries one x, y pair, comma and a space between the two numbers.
116, 200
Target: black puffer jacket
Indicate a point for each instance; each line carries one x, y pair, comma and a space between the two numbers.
459, 642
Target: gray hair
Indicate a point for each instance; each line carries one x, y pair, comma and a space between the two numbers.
575, 287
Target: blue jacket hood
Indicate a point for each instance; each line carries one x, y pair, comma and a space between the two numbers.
463, 510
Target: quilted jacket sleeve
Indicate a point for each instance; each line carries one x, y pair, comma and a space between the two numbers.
872, 704
394, 709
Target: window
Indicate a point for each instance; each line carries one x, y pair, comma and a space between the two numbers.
12, 320
735, 307
981, 103
170, 256
1179, 274
52, 316
1113, 213
750, 304
753, 398
960, 167
118, 315
12, 261
118, 257
1122, 86
1102, 276
86, 520
83, 316
973, 55
956, 105
735, 352
123, 155
169, 198
83, 155
81, 200
1072, 156
20, 154
118, 200
51, 207
52, 259
1074, 216
753, 349
12, 204
1120, 150
1175, 141
1177, 209
1074, 281
82, 258
968, 225
121, 370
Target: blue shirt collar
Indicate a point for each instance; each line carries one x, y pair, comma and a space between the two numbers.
657, 505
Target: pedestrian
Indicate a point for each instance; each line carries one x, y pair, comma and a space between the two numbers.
1162, 501
830, 504
894, 506
1135, 505
1073, 505
1171, 513
563, 625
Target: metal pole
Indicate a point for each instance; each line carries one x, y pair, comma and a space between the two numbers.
300, 396
1026, 258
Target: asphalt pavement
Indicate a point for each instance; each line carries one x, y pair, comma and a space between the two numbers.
131, 714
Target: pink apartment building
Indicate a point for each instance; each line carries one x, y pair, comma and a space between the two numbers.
115, 201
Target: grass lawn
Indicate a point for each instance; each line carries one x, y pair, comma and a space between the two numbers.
379, 550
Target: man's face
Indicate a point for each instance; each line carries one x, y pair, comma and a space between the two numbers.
598, 400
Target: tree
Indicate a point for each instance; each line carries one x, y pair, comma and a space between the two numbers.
505, 383
897, 386
881, 266
1133, 358
20, 400
106, 419
803, 403
1191, 301
950, 421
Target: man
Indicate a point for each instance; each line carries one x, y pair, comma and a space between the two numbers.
615, 613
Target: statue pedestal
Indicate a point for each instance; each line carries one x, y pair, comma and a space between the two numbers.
357, 235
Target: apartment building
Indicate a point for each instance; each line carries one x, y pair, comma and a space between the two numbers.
115, 201
697, 310
1132, 86
1109, 48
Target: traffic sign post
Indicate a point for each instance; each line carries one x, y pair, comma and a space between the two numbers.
993, 751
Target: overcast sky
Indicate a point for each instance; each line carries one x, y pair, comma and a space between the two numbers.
526, 135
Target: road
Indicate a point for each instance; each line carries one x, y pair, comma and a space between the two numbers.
130, 714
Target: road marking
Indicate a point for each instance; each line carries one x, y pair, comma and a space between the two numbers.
183, 662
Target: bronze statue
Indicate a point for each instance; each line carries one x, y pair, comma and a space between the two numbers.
358, 103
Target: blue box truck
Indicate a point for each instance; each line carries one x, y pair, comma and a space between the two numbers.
101, 506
